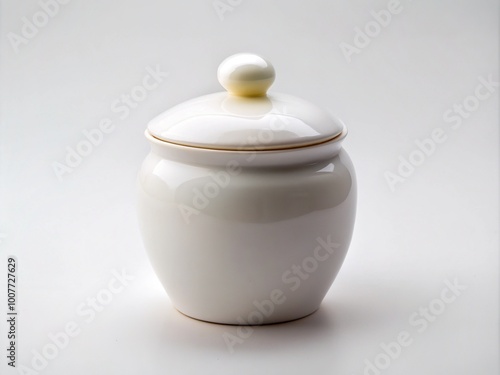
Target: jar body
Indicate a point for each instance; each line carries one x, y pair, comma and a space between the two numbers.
246, 238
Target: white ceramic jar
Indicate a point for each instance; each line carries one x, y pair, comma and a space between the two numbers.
247, 200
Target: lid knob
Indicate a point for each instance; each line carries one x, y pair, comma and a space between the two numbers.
246, 74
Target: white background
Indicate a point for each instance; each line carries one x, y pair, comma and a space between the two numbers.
69, 234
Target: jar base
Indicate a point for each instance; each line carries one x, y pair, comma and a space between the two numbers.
266, 320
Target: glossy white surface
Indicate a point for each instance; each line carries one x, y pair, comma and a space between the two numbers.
69, 235
227, 230
243, 120
246, 204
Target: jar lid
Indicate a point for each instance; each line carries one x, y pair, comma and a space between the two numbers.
246, 117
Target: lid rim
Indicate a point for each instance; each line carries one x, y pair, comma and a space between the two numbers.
286, 147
